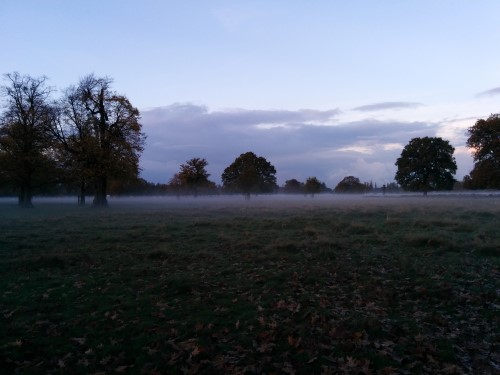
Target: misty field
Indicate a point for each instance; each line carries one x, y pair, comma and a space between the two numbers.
368, 285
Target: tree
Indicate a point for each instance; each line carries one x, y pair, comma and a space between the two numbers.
293, 186
100, 135
194, 175
426, 164
250, 174
26, 146
312, 186
175, 185
350, 185
484, 140
74, 131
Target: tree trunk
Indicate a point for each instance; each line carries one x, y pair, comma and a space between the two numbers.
25, 197
81, 196
100, 198
81, 199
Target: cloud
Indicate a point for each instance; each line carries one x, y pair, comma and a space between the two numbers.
189, 114
387, 105
299, 143
492, 92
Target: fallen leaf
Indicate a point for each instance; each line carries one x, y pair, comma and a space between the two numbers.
121, 369
79, 340
195, 351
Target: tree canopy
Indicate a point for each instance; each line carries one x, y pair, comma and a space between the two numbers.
426, 164
293, 186
350, 185
484, 140
312, 186
249, 174
192, 177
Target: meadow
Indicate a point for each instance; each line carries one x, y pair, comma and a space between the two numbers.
274, 285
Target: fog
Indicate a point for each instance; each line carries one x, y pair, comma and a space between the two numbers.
486, 200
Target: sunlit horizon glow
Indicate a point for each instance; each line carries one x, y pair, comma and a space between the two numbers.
325, 89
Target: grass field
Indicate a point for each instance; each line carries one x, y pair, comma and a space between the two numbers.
328, 285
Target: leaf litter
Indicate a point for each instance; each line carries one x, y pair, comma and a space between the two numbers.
254, 293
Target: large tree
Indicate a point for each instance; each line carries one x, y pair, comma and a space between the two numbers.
249, 174
484, 140
100, 134
426, 164
26, 145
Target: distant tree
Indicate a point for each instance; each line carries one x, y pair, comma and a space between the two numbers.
484, 140
175, 185
100, 134
312, 186
392, 187
193, 174
325, 189
426, 164
350, 185
250, 174
135, 187
293, 186
26, 145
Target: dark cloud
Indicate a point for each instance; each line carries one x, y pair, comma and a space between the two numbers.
387, 105
299, 143
491, 92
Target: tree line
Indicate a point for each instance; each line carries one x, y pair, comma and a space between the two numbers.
88, 142
85, 139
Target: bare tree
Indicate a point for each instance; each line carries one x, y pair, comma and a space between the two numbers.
101, 133
26, 145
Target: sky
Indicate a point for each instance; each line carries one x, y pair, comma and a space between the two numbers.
319, 88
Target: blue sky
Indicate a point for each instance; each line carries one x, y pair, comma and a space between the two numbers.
322, 88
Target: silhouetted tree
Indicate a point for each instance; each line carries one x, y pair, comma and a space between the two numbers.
293, 186
101, 135
194, 175
350, 185
312, 186
484, 140
250, 174
426, 164
392, 187
175, 185
26, 146
77, 149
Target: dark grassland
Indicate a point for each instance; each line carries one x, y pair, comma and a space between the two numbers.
324, 285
